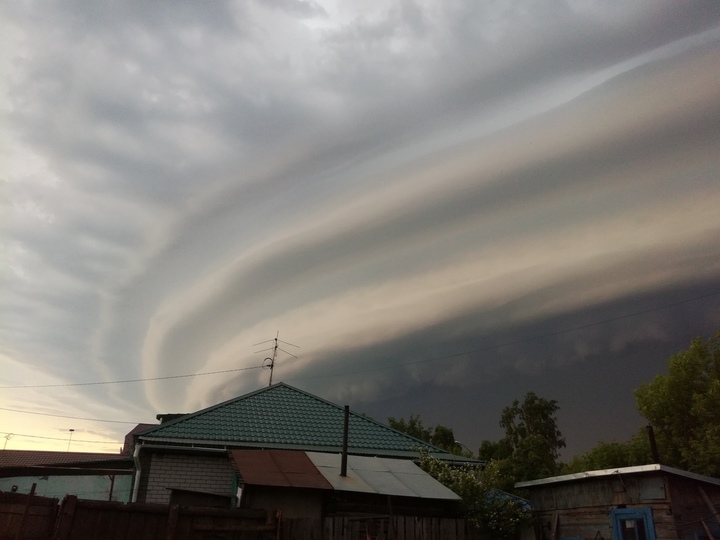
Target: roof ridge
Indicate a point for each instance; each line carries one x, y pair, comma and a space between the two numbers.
282, 430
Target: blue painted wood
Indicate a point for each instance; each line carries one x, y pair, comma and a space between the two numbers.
633, 524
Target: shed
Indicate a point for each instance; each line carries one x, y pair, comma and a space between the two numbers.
648, 502
309, 485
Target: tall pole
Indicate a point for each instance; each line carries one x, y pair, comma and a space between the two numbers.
269, 362
70, 439
274, 356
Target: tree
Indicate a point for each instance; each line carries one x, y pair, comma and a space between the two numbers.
440, 436
532, 440
413, 427
613, 455
531, 444
683, 408
534, 417
483, 504
494, 450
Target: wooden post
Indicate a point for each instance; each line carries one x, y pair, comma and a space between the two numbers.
65, 520
172, 522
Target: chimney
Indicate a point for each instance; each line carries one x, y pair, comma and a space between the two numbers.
343, 458
653, 444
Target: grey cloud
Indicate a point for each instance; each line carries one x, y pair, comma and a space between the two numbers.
551, 365
194, 140
299, 7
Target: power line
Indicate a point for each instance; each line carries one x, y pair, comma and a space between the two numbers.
63, 416
132, 380
64, 439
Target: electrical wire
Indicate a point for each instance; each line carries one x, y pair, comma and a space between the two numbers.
65, 439
131, 380
63, 416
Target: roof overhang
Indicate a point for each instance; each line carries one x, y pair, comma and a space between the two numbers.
640, 469
200, 444
319, 470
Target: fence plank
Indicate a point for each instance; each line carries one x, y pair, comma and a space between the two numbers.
67, 513
172, 522
40, 514
90, 520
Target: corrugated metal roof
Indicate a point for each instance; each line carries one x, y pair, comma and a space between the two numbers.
285, 468
640, 469
31, 458
281, 416
399, 477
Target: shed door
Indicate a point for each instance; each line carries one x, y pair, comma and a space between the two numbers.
633, 524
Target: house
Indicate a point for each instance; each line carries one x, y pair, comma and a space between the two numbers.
649, 502
313, 485
189, 453
96, 476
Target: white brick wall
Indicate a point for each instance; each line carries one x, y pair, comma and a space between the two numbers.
213, 474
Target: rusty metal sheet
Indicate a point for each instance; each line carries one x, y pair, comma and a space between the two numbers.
284, 468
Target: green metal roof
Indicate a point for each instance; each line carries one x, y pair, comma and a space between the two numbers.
281, 416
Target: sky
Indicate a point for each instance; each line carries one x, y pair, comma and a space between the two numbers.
436, 206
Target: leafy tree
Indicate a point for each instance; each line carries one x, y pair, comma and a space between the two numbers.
483, 504
535, 417
612, 455
493, 450
531, 444
683, 408
440, 436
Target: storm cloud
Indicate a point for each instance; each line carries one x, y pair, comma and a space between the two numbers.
444, 205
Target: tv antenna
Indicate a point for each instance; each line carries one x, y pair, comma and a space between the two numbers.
269, 362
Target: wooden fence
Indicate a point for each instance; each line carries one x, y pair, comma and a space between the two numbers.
29, 517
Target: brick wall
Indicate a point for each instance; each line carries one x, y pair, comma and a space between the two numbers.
207, 473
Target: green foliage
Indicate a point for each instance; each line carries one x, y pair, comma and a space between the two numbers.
413, 427
491, 450
613, 455
497, 513
531, 444
534, 417
683, 408
440, 436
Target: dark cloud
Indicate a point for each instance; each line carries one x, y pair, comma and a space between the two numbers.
385, 185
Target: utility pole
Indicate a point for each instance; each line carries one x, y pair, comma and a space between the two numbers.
269, 362
70, 439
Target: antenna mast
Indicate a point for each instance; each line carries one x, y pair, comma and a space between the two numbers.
269, 362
